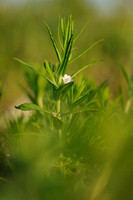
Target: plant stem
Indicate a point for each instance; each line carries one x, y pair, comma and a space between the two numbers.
58, 111
59, 117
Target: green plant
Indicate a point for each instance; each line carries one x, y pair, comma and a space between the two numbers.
67, 97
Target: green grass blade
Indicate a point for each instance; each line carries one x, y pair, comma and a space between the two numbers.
39, 73
80, 32
85, 67
31, 106
83, 52
53, 42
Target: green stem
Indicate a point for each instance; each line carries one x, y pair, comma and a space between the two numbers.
58, 111
59, 117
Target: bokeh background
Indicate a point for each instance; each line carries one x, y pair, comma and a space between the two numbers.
23, 35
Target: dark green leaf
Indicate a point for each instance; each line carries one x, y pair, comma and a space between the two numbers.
53, 42
62, 90
57, 123
30, 106
63, 65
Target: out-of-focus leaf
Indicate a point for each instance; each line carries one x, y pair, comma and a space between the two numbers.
126, 75
57, 123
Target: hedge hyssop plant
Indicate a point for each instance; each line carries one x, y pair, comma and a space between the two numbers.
63, 85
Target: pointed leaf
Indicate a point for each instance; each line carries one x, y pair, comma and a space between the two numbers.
46, 64
83, 52
36, 71
53, 42
30, 106
59, 34
62, 90
85, 67
80, 32
80, 100
63, 65
126, 75
63, 28
80, 110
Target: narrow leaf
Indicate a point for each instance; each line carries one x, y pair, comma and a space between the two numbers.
86, 109
39, 73
80, 33
126, 75
63, 28
49, 71
63, 66
62, 90
85, 67
53, 42
57, 123
30, 106
83, 52
59, 34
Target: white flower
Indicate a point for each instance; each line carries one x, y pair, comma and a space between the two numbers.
67, 79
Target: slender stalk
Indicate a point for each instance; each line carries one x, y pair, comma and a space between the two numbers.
58, 111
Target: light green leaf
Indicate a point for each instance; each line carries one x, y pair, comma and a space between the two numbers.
83, 52
39, 73
59, 34
49, 71
53, 42
85, 67
80, 32
30, 106
63, 28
